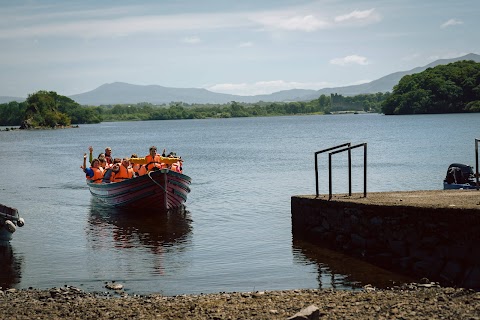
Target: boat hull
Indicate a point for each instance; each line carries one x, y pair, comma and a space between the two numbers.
9, 216
449, 186
5, 235
162, 190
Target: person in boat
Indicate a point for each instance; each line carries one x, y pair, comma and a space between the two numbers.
101, 157
108, 155
111, 169
122, 171
154, 161
138, 169
103, 161
176, 166
95, 172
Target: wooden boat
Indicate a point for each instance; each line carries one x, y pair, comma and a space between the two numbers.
459, 176
9, 220
162, 189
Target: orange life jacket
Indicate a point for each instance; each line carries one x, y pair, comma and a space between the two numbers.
135, 167
142, 170
97, 175
122, 174
139, 169
153, 162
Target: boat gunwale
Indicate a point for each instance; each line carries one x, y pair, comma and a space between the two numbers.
110, 185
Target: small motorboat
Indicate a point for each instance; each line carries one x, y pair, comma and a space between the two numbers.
460, 176
9, 221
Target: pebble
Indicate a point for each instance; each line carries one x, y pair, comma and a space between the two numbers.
114, 286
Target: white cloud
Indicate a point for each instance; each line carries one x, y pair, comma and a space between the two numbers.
264, 87
191, 40
348, 60
306, 21
291, 22
451, 22
69, 21
363, 17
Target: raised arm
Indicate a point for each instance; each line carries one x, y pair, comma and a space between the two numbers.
84, 166
90, 158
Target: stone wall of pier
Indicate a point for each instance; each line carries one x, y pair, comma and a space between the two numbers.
441, 244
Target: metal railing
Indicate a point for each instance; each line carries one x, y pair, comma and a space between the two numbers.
348, 148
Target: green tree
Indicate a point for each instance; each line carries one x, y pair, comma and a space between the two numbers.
443, 89
12, 113
324, 102
42, 111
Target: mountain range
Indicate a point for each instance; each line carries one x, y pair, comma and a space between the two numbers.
122, 93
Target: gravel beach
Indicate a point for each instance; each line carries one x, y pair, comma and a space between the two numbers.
413, 301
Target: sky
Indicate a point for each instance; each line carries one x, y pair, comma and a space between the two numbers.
239, 47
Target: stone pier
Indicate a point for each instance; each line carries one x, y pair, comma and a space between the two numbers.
431, 234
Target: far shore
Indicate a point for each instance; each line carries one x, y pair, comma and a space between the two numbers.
39, 128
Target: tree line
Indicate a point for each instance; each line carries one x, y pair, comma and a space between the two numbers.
49, 109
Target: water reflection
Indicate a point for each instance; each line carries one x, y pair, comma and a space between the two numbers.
336, 270
124, 229
10, 266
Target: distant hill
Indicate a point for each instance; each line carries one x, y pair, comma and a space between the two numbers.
387, 82
117, 93
121, 93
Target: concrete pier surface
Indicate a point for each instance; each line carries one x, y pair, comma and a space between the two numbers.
460, 199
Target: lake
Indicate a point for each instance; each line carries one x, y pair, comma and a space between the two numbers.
236, 232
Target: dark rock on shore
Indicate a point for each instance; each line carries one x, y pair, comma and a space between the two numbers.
414, 301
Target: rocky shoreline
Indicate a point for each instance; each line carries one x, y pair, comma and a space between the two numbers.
39, 128
412, 301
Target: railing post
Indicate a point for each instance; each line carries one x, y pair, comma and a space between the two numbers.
365, 169
316, 174
476, 162
349, 172
329, 176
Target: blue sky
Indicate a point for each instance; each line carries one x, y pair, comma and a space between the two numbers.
240, 47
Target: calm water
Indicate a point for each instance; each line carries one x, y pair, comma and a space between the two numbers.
236, 233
